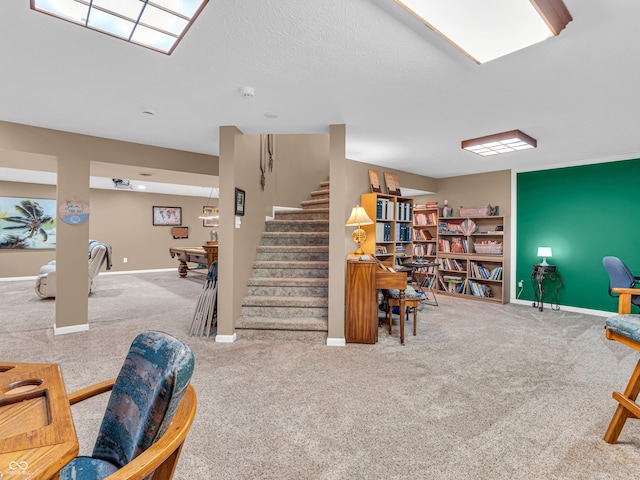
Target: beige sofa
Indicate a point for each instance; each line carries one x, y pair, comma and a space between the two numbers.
99, 254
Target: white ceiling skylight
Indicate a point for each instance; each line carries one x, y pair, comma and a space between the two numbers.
485, 30
157, 24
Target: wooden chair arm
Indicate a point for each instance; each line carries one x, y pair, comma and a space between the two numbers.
162, 456
91, 391
624, 301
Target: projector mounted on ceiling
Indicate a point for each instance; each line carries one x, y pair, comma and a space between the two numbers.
122, 184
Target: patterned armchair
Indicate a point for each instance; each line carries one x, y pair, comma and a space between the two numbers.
152, 386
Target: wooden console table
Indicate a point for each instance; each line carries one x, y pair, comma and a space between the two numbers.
364, 278
37, 435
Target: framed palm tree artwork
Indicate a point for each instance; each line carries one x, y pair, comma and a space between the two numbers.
27, 223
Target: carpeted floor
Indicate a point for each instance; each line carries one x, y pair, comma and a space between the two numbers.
483, 391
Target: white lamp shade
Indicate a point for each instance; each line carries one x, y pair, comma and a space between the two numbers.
544, 252
358, 217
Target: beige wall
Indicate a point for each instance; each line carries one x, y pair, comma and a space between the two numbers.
121, 218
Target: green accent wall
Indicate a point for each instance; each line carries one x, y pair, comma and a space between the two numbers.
583, 213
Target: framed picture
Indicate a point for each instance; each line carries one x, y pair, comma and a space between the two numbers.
210, 212
171, 216
27, 223
393, 186
239, 202
374, 181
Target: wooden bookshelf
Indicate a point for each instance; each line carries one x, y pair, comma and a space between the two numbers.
470, 254
390, 238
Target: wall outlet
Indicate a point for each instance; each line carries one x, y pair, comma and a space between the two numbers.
124, 260
520, 283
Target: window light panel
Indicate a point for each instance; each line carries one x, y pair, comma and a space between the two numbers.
155, 24
505, 142
487, 30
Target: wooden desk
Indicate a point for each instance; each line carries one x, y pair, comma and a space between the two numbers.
206, 254
364, 278
37, 435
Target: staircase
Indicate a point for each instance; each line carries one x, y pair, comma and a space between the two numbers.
288, 289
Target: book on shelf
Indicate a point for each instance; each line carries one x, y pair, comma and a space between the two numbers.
384, 209
425, 218
480, 289
421, 235
383, 232
424, 250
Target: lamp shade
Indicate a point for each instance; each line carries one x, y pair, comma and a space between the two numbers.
544, 252
358, 217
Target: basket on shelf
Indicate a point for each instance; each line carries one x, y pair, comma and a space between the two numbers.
488, 248
485, 211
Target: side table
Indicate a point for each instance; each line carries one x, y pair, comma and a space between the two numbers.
544, 277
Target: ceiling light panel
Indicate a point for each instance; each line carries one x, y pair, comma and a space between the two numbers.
485, 30
157, 24
505, 142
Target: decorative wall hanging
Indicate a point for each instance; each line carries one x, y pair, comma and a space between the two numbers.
27, 223
171, 216
73, 211
266, 156
240, 197
210, 216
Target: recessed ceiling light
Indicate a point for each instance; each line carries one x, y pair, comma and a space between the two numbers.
141, 187
247, 92
271, 115
158, 24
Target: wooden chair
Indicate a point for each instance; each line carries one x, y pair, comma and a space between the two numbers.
624, 328
150, 411
408, 302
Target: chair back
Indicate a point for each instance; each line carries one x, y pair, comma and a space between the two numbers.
619, 274
145, 396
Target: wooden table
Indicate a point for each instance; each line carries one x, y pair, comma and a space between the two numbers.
200, 255
37, 435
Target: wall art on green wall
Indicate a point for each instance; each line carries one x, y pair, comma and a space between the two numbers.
27, 223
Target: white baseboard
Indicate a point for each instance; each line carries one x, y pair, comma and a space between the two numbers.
72, 329
566, 308
17, 279
226, 338
336, 342
124, 272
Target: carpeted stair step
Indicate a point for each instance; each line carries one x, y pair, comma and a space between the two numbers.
280, 269
320, 194
322, 203
293, 253
295, 238
325, 185
308, 324
285, 307
303, 214
288, 287
297, 226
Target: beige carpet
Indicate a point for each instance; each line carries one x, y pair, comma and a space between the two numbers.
484, 391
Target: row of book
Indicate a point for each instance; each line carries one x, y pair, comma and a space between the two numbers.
383, 232
480, 271
452, 284
385, 210
455, 245
403, 232
451, 264
430, 218
424, 249
420, 235
480, 289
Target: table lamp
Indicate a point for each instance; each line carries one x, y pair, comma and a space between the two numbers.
544, 252
358, 217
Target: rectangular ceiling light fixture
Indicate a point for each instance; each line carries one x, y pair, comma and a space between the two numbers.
488, 30
158, 24
500, 143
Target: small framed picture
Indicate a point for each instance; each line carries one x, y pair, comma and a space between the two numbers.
212, 214
239, 202
374, 181
393, 186
171, 216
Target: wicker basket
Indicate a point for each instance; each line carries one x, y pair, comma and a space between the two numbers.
495, 248
485, 211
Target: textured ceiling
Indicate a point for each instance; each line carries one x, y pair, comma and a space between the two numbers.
407, 97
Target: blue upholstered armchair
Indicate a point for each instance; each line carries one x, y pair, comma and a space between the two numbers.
621, 277
144, 399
